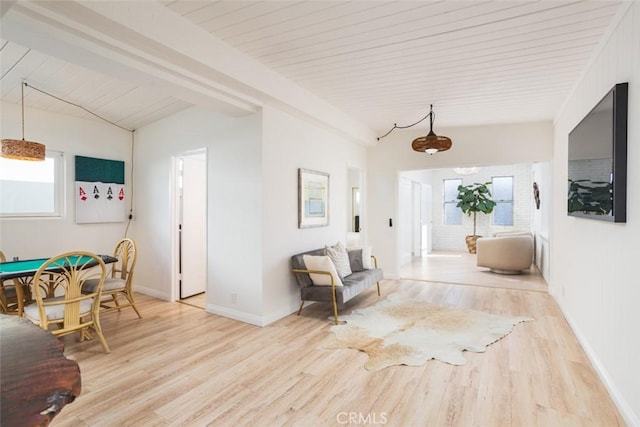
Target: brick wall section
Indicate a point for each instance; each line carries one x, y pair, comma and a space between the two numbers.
451, 237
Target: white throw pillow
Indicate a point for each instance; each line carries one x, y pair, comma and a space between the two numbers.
367, 262
321, 263
340, 257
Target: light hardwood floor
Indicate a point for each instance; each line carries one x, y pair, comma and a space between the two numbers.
461, 268
199, 300
181, 366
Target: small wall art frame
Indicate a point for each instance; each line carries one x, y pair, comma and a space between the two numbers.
313, 198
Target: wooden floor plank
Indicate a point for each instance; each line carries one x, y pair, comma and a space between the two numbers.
182, 366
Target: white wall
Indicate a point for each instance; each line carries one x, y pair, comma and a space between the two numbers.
290, 143
594, 272
405, 219
541, 174
234, 206
45, 237
251, 210
472, 146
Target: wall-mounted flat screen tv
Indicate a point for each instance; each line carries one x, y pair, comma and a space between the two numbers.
597, 169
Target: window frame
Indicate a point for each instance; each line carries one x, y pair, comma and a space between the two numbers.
504, 201
446, 202
58, 191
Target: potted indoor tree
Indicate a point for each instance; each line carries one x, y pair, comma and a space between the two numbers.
474, 198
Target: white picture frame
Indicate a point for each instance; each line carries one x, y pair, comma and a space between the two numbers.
313, 198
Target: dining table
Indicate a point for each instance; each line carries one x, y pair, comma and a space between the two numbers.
28, 267
22, 272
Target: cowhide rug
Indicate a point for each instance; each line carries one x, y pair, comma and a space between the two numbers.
401, 331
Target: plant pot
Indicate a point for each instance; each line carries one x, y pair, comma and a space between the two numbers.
471, 243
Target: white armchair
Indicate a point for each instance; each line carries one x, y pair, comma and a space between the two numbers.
505, 254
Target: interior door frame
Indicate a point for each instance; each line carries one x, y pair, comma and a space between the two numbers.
176, 218
426, 218
349, 191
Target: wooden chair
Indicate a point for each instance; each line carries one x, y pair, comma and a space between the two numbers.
120, 281
14, 293
73, 311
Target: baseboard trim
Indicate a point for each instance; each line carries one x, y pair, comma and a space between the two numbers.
226, 312
631, 418
251, 319
235, 315
152, 293
293, 308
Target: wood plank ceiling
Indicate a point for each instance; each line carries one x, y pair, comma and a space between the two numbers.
382, 62
125, 103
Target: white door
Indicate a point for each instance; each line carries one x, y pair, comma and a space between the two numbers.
426, 219
193, 226
417, 219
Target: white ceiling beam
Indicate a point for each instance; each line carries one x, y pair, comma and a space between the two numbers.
147, 43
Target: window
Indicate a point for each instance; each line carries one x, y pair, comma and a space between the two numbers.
32, 188
502, 193
452, 213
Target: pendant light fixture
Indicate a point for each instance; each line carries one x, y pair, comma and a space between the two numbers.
20, 149
431, 143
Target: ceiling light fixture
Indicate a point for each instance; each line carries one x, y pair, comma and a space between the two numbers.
466, 171
431, 143
20, 149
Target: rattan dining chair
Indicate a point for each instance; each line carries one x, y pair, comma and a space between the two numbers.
14, 293
73, 310
119, 283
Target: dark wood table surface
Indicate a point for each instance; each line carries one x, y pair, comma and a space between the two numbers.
36, 379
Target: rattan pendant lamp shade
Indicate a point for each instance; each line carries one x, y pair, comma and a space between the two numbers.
431, 143
21, 149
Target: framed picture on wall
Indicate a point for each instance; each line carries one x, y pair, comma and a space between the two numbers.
313, 198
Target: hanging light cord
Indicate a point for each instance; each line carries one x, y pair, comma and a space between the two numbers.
76, 105
395, 126
16, 63
22, 104
126, 230
25, 84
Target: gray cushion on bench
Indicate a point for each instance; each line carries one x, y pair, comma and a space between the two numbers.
355, 259
297, 263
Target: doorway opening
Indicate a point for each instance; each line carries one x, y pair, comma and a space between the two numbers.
355, 207
415, 213
191, 228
